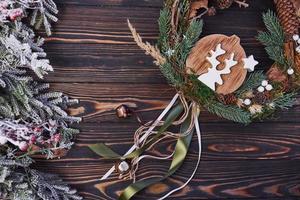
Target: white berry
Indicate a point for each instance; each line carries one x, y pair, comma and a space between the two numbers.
296, 37
247, 102
261, 89
290, 71
123, 166
271, 105
264, 83
269, 87
298, 49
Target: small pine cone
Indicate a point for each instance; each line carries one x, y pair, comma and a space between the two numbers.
227, 99
261, 97
223, 4
288, 17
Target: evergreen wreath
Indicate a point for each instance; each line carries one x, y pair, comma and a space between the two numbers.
176, 41
209, 73
32, 118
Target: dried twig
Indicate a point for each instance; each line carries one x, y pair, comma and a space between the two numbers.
175, 17
242, 3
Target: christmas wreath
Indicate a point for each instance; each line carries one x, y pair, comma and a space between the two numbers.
212, 73
32, 118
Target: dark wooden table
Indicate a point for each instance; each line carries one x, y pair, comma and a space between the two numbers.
96, 61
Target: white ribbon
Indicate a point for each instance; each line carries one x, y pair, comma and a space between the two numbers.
198, 131
151, 128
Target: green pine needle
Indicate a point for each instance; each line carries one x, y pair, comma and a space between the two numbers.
164, 23
285, 101
188, 41
274, 40
276, 31
232, 113
253, 81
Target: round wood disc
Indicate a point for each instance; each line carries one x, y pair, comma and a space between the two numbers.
198, 64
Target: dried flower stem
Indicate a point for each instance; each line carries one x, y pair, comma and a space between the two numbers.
149, 49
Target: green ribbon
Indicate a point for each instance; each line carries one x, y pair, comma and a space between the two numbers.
179, 156
107, 153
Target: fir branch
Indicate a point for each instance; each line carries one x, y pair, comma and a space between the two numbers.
164, 23
253, 81
171, 75
19, 182
183, 22
274, 40
44, 12
276, 53
266, 39
188, 41
232, 113
276, 32
285, 101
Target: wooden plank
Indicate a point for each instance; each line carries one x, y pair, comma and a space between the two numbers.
96, 61
123, 3
99, 100
215, 179
254, 4
232, 142
96, 45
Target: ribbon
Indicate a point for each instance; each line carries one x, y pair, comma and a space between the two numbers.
108, 153
179, 156
180, 153
189, 122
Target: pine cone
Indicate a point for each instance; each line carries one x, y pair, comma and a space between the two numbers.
287, 16
227, 99
223, 4
261, 97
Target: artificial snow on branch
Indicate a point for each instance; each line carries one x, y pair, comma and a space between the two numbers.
33, 119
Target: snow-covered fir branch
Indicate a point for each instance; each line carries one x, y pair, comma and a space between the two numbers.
33, 119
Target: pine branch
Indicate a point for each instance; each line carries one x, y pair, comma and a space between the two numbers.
253, 81
274, 40
229, 112
19, 182
171, 75
183, 22
188, 41
274, 27
285, 101
43, 14
164, 23
277, 54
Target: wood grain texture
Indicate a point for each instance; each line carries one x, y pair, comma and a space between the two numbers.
197, 61
96, 60
99, 100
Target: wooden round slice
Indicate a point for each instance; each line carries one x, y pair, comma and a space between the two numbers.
198, 64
